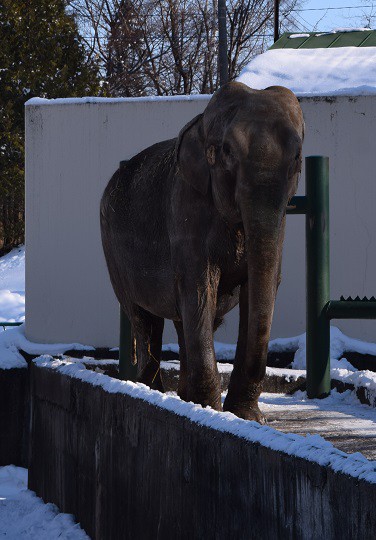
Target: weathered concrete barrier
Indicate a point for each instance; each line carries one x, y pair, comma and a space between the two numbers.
132, 463
14, 401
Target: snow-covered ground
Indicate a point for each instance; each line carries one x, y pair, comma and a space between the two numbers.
23, 515
339, 418
12, 286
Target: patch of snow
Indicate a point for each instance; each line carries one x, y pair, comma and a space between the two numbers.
286, 373
12, 270
12, 306
365, 379
24, 516
12, 286
95, 100
343, 30
334, 31
284, 344
315, 72
171, 364
312, 447
342, 370
339, 344
225, 368
13, 339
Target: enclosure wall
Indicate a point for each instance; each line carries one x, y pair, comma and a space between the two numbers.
128, 469
73, 147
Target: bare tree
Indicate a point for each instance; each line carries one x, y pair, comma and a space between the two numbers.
368, 17
168, 47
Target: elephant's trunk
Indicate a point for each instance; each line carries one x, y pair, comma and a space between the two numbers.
263, 265
264, 229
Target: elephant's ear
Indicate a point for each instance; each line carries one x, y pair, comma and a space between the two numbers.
190, 155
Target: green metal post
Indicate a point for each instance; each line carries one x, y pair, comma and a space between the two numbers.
318, 276
127, 370
354, 309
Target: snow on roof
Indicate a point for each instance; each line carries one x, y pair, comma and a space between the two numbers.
346, 30
315, 72
334, 31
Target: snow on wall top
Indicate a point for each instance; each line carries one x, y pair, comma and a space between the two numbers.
315, 72
312, 447
85, 100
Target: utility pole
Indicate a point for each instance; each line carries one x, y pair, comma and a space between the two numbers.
222, 45
276, 20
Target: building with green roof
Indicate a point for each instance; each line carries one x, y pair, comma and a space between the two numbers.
324, 40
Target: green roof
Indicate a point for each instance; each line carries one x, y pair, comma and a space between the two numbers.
325, 40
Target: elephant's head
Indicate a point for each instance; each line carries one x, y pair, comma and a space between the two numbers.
244, 152
246, 145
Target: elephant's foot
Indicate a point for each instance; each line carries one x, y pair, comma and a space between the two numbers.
242, 400
205, 392
249, 411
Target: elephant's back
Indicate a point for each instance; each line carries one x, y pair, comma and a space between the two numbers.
136, 178
133, 224
133, 189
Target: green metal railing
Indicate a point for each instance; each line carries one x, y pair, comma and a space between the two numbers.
5, 324
320, 309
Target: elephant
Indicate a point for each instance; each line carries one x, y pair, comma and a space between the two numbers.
195, 225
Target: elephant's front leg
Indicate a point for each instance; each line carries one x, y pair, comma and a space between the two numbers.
198, 310
246, 379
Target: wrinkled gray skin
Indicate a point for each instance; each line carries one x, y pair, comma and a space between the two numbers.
195, 225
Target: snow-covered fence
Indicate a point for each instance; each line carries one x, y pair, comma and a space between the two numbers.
129, 462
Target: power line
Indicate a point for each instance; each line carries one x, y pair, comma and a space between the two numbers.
333, 8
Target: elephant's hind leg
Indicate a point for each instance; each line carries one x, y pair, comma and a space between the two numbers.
148, 330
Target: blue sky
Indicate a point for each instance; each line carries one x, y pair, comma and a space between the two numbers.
327, 19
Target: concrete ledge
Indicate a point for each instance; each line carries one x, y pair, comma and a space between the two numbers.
128, 467
279, 381
14, 400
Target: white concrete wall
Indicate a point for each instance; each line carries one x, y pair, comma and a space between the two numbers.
72, 148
